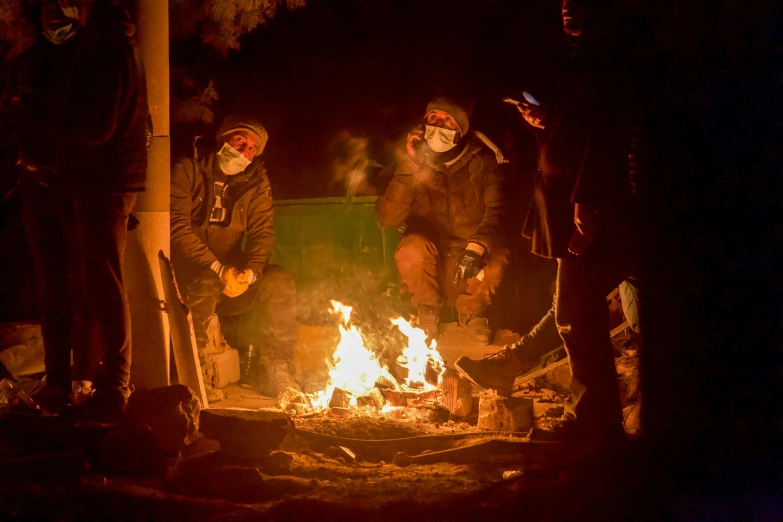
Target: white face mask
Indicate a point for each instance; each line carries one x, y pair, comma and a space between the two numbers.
439, 140
231, 161
60, 36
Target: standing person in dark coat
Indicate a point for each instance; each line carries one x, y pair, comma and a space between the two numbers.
92, 119
581, 216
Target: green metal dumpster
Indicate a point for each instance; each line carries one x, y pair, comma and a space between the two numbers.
325, 238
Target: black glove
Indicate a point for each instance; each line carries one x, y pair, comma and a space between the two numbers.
469, 265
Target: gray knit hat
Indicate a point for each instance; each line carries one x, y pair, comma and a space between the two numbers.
460, 111
234, 123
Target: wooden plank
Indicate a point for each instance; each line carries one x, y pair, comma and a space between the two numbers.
183, 338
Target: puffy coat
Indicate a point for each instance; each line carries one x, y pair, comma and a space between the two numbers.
196, 243
451, 205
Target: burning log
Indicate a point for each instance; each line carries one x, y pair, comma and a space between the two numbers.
457, 393
374, 398
294, 400
340, 399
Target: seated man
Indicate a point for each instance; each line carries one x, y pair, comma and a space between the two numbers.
222, 237
447, 193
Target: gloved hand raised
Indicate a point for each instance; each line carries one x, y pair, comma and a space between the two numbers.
470, 261
235, 283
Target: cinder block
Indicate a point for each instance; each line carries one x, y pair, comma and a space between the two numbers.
508, 414
221, 369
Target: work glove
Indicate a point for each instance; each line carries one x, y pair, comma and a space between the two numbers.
469, 264
234, 282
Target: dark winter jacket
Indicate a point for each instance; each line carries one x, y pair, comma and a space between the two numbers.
38, 72
99, 120
450, 205
583, 155
196, 243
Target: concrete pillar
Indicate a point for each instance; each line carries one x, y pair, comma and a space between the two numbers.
151, 349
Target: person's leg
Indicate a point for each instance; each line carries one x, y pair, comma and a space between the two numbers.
101, 225
265, 328
478, 293
201, 295
475, 294
582, 316
417, 263
44, 221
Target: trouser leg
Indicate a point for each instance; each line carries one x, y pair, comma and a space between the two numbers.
45, 219
541, 339
101, 225
201, 295
582, 317
417, 264
264, 316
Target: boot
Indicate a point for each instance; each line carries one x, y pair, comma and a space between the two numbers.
478, 329
276, 378
496, 371
429, 321
104, 404
248, 365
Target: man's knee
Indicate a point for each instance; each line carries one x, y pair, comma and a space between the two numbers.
414, 250
203, 292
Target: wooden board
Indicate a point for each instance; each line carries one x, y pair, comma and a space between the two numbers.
183, 338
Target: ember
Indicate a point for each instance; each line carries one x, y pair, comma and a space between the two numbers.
358, 380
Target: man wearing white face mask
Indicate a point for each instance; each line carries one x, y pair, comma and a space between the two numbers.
220, 200
447, 191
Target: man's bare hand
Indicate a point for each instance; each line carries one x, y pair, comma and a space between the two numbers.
414, 136
586, 219
533, 114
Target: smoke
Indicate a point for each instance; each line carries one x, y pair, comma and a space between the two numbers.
375, 301
352, 166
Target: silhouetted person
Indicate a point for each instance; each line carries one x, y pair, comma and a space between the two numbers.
87, 119
222, 236
581, 213
447, 190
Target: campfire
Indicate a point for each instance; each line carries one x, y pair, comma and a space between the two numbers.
360, 384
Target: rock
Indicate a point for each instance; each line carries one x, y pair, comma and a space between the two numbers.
508, 414
402, 459
347, 454
171, 412
214, 395
201, 446
132, 449
221, 369
340, 399
245, 433
508, 475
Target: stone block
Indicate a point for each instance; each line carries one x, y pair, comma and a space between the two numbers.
456, 392
221, 369
215, 341
171, 412
245, 433
507, 414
